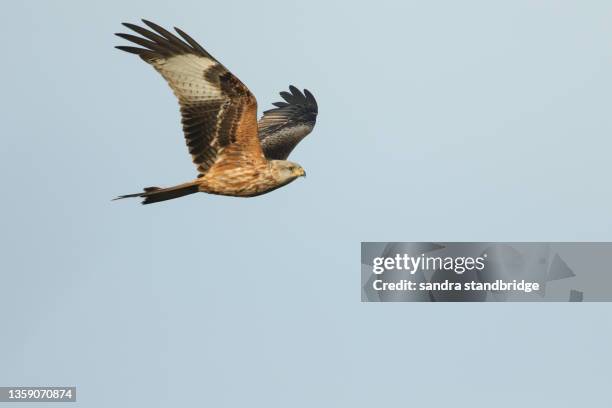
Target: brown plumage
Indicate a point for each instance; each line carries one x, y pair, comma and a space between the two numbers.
219, 116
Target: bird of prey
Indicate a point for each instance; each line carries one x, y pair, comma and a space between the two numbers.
234, 154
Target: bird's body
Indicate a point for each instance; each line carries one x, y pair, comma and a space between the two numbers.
234, 154
249, 181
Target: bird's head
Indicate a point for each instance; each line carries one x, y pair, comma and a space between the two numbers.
286, 171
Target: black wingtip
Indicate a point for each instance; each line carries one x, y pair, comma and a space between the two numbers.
294, 90
153, 26
149, 23
131, 26
297, 97
311, 99
131, 50
194, 44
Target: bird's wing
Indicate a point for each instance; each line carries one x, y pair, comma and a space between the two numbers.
219, 113
282, 128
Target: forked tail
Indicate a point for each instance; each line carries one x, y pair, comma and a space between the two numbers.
156, 194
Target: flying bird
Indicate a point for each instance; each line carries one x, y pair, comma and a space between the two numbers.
235, 155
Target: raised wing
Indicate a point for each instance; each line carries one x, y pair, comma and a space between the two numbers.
219, 113
282, 128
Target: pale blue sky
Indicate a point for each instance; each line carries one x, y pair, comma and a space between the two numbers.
439, 120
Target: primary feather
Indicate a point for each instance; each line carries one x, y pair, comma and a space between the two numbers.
282, 128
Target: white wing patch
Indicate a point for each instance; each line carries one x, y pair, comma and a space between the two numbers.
297, 131
186, 76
